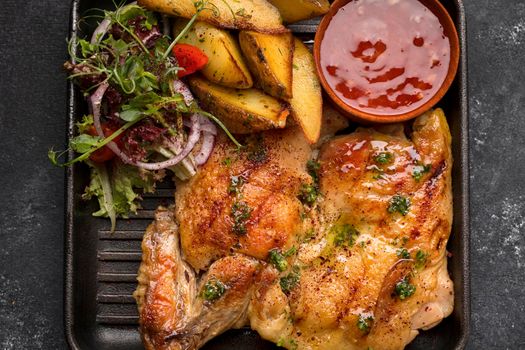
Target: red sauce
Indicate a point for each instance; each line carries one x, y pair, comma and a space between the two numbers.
385, 56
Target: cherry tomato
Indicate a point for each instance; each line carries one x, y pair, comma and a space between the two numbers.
189, 57
105, 153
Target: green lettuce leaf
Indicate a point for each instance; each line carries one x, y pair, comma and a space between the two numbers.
118, 188
125, 180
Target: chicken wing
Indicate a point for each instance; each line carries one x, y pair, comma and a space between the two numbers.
178, 309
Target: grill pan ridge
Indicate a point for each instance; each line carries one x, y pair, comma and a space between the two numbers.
101, 267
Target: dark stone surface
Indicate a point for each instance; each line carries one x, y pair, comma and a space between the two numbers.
33, 118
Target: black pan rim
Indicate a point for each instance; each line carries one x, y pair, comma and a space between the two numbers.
464, 247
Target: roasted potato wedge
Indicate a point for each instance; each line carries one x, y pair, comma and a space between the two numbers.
258, 15
242, 111
298, 10
307, 101
269, 57
225, 62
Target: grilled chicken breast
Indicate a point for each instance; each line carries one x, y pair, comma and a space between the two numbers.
348, 252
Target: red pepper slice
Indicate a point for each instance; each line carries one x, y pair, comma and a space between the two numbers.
189, 57
105, 153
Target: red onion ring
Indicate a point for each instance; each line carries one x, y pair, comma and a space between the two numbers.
209, 130
206, 125
103, 28
193, 136
208, 142
181, 88
100, 31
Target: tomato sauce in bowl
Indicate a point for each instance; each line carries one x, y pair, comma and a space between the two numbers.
385, 57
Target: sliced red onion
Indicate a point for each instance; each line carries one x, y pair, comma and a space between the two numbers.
208, 128
206, 125
95, 102
193, 137
103, 28
100, 31
181, 88
208, 141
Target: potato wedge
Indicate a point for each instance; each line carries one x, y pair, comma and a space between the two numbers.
225, 62
307, 101
258, 15
242, 111
269, 57
298, 10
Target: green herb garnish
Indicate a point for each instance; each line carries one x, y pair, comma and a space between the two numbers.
236, 183
227, 161
421, 259
383, 158
240, 214
399, 204
313, 167
403, 253
278, 259
308, 194
364, 323
213, 290
344, 235
292, 344
289, 281
404, 289
420, 171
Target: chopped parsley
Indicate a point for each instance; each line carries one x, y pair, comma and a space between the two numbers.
289, 281
213, 290
420, 170
364, 323
399, 204
403, 253
421, 259
236, 183
308, 194
344, 235
383, 158
313, 167
291, 342
404, 289
227, 161
278, 259
240, 213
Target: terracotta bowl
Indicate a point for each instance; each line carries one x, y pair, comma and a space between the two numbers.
364, 117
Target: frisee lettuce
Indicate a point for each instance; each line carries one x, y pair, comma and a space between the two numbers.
118, 188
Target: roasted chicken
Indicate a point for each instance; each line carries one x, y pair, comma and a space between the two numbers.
338, 248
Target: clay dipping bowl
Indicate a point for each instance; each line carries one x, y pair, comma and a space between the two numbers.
365, 117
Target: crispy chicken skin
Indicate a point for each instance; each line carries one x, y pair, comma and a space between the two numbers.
174, 315
369, 267
268, 175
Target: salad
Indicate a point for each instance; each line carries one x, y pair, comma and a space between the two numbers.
144, 124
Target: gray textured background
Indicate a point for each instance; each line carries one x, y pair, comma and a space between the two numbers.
32, 118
